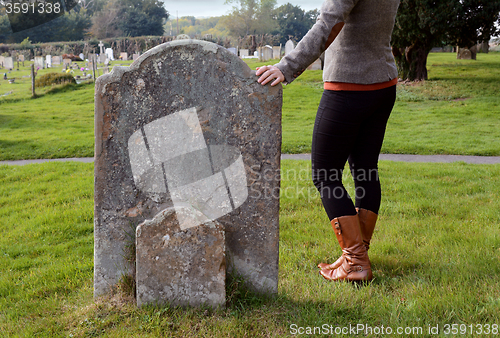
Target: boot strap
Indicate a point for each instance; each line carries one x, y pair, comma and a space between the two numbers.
357, 268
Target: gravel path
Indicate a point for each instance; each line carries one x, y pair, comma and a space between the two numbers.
384, 157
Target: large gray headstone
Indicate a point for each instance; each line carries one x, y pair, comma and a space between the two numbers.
188, 124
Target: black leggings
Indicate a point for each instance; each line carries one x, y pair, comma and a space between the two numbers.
350, 125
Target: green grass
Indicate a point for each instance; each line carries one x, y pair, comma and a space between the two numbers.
435, 256
59, 123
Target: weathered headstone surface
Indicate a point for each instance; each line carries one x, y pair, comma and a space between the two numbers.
180, 265
233, 50
244, 53
276, 52
188, 124
8, 62
289, 46
124, 56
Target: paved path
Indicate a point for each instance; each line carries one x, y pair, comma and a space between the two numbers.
384, 157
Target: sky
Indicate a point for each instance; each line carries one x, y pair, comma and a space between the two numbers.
206, 8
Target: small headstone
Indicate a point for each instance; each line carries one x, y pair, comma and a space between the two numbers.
135, 56
316, 65
124, 56
101, 58
289, 46
8, 62
188, 126
81, 56
266, 53
183, 37
66, 62
244, 53
2, 60
56, 60
464, 54
109, 53
48, 60
276, 52
39, 62
233, 50
180, 265
20, 58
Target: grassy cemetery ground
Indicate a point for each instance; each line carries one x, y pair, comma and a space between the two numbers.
435, 258
460, 102
435, 253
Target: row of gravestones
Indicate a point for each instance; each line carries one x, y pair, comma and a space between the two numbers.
49, 61
187, 160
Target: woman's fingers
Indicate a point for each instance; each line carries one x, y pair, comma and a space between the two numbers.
269, 73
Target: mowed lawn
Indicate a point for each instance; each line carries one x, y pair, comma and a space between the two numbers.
455, 112
435, 252
435, 257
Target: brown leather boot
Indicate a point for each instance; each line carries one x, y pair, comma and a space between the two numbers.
367, 221
355, 264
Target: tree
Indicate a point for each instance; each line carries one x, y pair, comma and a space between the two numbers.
105, 22
474, 23
142, 17
129, 18
293, 22
424, 24
251, 17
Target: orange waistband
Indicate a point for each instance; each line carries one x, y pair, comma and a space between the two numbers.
359, 87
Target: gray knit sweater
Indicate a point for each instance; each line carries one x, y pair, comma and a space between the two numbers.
360, 54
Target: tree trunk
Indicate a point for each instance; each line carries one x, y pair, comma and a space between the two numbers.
412, 62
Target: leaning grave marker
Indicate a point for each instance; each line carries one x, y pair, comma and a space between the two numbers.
234, 125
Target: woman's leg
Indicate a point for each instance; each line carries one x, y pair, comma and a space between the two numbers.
363, 159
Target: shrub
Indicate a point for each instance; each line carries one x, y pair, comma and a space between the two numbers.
53, 79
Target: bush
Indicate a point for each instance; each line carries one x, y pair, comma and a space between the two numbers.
53, 79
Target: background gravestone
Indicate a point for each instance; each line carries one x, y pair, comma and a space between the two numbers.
244, 53
8, 62
56, 60
48, 59
39, 62
233, 119
289, 46
124, 56
2, 60
276, 52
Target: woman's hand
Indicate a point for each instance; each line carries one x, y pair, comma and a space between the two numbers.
268, 73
